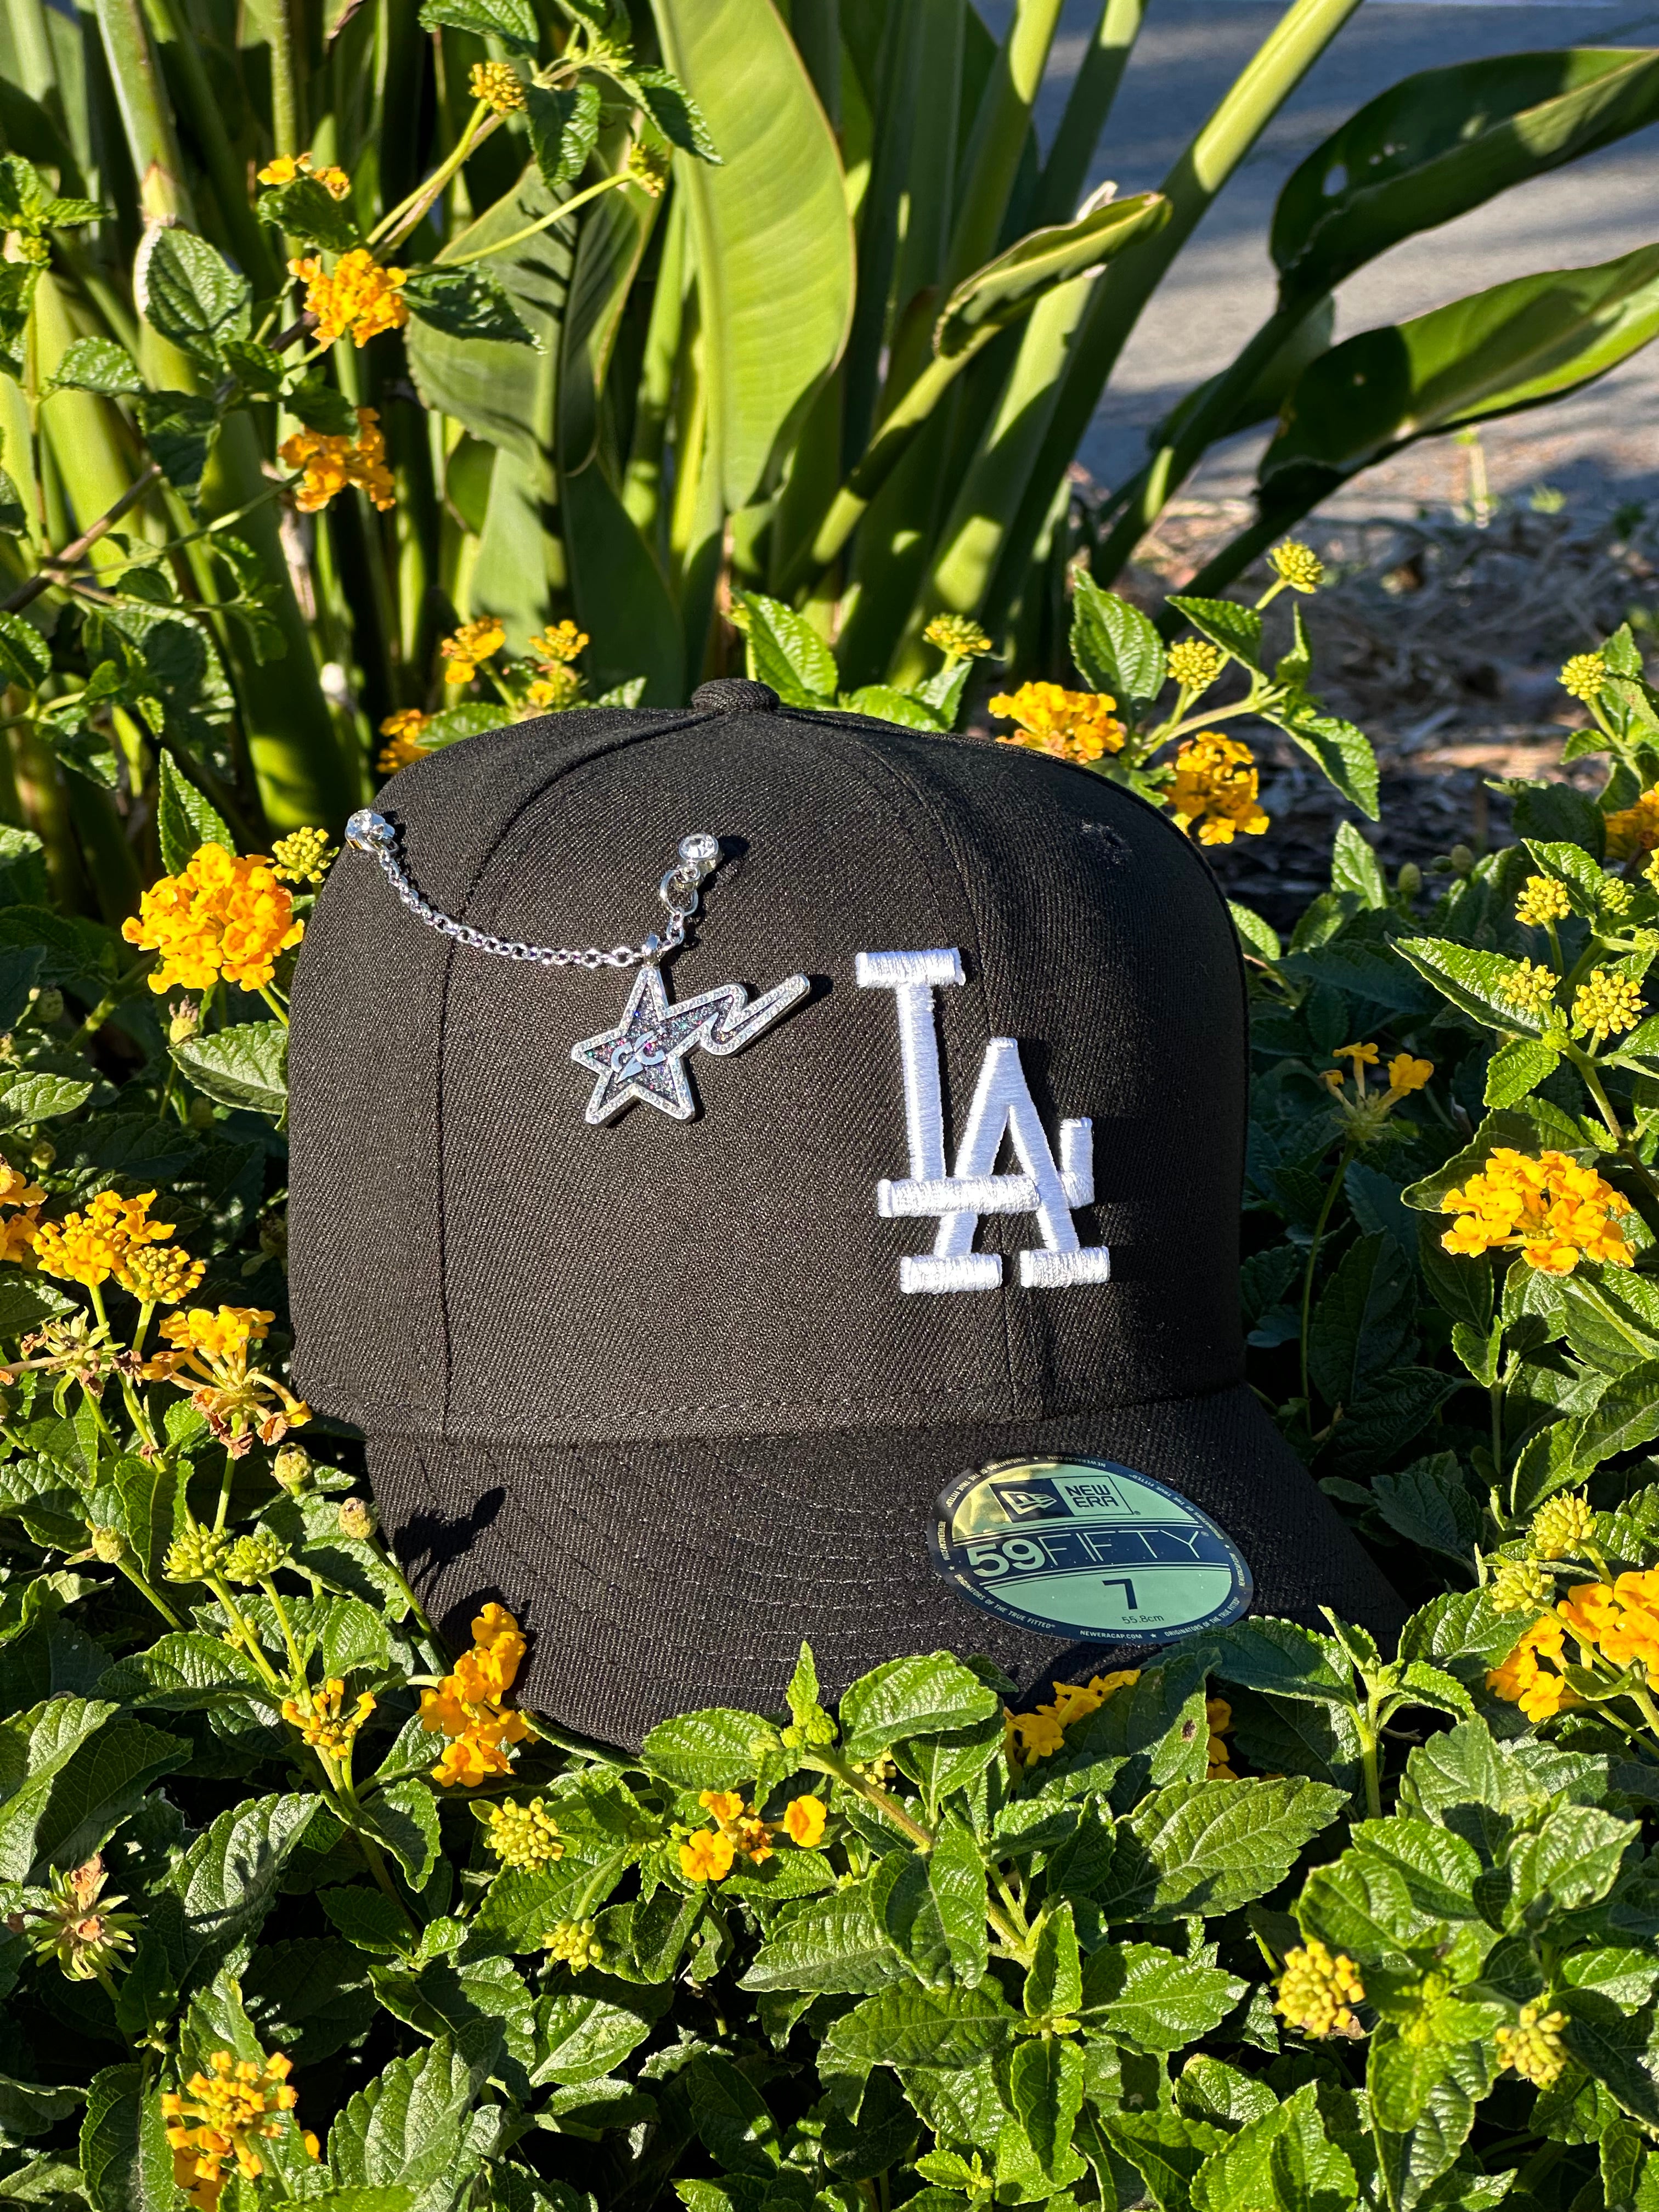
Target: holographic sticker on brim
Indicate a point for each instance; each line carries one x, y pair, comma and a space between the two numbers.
1086, 1550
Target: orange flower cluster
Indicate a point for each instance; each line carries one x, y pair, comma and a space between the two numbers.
332, 464
1549, 1209
1215, 789
1635, 828
89, 1248
357, 297
467, 1707
1524, 1679
219, 916
223, 2115
18, 1230
1073, 725
403, 728
472, 642
710, 1854
286, 168
208, 1355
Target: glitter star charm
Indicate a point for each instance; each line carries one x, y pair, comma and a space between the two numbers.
644, 1056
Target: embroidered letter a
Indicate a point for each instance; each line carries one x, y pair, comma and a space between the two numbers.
1002, 1106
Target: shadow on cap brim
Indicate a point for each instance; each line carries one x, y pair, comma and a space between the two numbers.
656, 1578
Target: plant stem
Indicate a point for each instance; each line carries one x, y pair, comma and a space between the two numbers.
1307, 1272
274, 1002
76, 551
1366, 1723
141, 1582
225, 1482
542, 222
394, 227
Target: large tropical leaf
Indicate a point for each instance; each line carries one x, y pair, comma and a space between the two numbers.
773, 244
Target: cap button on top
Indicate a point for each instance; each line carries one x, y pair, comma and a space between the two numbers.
735, 695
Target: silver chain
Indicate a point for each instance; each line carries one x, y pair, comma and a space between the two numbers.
699, 856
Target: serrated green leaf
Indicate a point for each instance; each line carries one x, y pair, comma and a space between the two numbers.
715, 1749
466, 303
1115, 646
246, 1065
1148, 1998
1209, 1847
512, 21
923, 1696
836, 1945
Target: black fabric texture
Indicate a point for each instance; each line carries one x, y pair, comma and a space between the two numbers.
669, 1577
583, 1319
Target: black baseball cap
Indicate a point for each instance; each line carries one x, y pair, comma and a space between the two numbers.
866, 1271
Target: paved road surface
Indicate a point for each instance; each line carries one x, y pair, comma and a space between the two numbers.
1603, 444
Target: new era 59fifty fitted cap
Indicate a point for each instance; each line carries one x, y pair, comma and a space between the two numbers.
761, 1174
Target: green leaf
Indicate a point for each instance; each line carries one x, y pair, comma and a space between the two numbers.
1355, 869
512, 21
1429, 1504
564, 129
1364, 1318
307, 210
1342, 753
1626, 1415
25, 1099
185, 819
309, 1995
1236, 630
770, 225
243, 1066
18, 280
25, 656
918, 2031
185, 290
1285, 2161
1212, 1846
1516, 1068
226, 1881
96, 365
1046, 2085
124, 2155
834, 1944
782, 648
405, 1815
1115, 646
675, 113
1513, 346
715, 1749
1572, 1860
367, 1918
932, 1907
923, 1696
1005, 289
581, 2035
884, 702
1278, 1655
35, 1747
1259, 935
1147, 1997
466, 303
180, 428
1054, 1985
1443, 142
406, 2128
102, 1785
1474, 981
733, 2118
1166, 2149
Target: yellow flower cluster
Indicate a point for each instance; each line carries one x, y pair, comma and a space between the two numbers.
1633, 830
1606, 1005
472, 642
301, 857
1524, 1679
1549, 1209
219, 916
89, 1248
1534, 2047
498, 86
554, 691
648, 168
358, 297
1317, 1991
160, 1275
1561, 1527
1297, 565
207, 1354
332, 464
525, 1836
710, 1854
467, 1704
572, 1944
223, 2114
288, 168
1215, 787
1543, 899
325, 1727
1405, 1073
1073, 725
1195, 663
1532, 985
403, 728
1584, 677
958, 637
558, 644
1520, 1586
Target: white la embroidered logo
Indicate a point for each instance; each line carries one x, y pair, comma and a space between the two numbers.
1002, 1106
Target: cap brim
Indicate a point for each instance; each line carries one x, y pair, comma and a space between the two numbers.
655, 1578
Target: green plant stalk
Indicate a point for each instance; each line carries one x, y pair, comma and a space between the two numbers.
274, 21
643, 481
145, 1588
249, 238
991, 160
1093, 91
1067, 370
543, 222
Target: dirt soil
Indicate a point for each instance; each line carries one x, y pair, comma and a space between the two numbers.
1441, 638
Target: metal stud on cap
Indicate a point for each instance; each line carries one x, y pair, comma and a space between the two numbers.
701, 851
368, 830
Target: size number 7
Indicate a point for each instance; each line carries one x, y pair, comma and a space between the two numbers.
1123, 1583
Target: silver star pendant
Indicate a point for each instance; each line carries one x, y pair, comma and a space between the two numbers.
644, 1056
